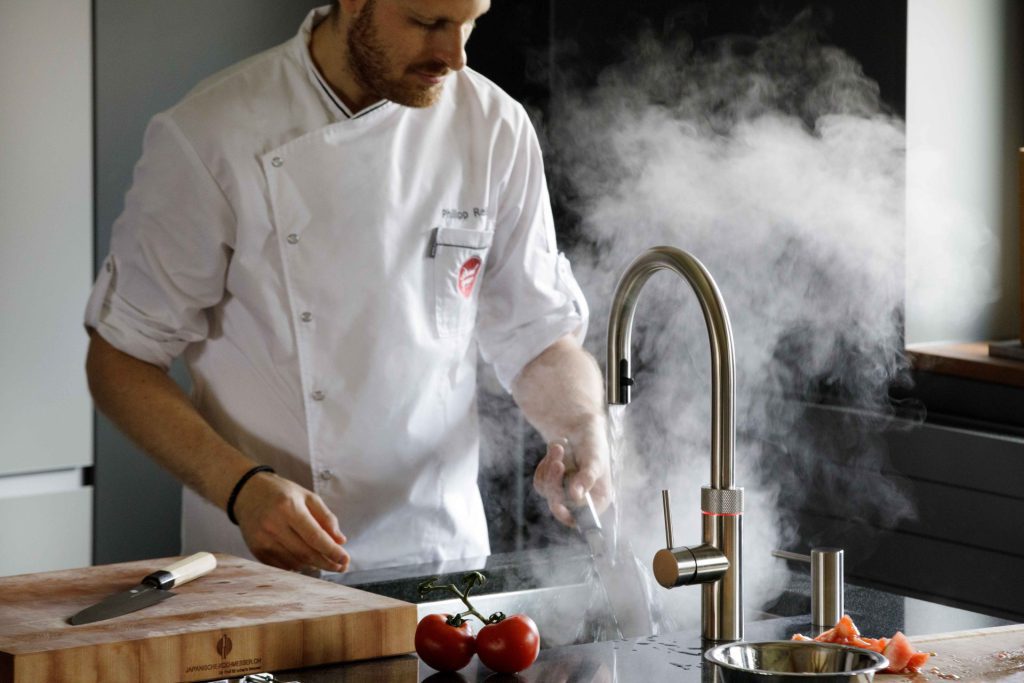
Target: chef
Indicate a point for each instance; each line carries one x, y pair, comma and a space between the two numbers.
330, 233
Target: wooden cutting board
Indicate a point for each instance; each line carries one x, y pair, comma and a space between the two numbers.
988, 654
243, 617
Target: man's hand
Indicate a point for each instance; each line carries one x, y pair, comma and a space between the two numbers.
571, 468
561, 393
288, 526
282, 523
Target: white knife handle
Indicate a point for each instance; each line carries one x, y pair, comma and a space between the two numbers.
181, 572
192, 567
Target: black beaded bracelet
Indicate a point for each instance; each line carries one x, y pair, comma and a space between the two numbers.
238, 487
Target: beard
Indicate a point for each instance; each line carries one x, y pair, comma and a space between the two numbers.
371, 65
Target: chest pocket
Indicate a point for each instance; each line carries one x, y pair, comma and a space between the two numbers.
459, 257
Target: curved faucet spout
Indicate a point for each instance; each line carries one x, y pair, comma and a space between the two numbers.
723, 383
716, 562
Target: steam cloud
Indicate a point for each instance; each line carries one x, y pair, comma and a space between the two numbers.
775, 163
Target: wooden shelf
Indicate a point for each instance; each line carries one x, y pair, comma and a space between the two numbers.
970, 360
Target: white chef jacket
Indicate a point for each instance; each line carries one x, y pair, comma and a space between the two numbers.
330, 280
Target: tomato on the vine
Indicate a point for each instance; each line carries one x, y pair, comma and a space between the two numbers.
444, 642
505, 644
509, 644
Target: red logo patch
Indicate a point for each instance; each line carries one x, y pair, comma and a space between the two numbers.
467, 276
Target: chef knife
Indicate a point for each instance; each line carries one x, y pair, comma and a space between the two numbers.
153, 589
588, 522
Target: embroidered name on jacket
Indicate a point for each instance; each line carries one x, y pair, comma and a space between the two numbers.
462, 214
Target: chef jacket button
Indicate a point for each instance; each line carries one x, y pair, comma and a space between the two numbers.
110, 267
326, 475
306, 316
293, 238
318, 395
277, 162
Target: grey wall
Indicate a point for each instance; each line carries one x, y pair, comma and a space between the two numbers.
965, 121
148, 54
45, 267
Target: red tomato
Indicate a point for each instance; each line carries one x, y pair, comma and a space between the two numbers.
509, 645
443, 646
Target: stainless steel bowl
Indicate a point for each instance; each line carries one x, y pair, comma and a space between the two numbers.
794, 660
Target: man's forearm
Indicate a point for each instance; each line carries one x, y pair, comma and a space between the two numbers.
150, 408
282, 523
561, 391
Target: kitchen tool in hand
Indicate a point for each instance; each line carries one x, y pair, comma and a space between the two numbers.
794, 661
153, 588
587, 520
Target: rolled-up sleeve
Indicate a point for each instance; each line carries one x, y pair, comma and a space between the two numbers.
169, 252
529, 298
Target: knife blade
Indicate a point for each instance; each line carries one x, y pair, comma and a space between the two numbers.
152, 589
588, 522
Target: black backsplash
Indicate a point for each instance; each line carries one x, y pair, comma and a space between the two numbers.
535, 48
532, 48
522, 45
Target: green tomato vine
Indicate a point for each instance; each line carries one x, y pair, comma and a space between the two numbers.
469, 582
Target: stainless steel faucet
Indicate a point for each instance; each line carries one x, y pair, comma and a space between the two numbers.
716, 562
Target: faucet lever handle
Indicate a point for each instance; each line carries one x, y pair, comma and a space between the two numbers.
666, 505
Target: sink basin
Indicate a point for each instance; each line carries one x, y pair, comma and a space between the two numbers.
557, 587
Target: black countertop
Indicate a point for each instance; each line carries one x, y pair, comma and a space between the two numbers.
671, 656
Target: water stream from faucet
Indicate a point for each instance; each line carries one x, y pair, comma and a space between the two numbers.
621, 578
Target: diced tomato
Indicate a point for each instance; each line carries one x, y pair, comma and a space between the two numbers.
846, 629
898, 652
827, 637
866, 643
917, 661
903, 657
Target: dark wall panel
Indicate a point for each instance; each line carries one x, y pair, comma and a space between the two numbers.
964, 544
